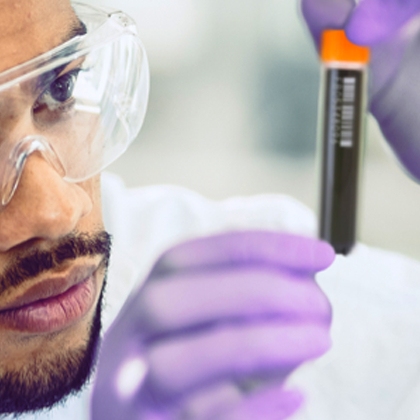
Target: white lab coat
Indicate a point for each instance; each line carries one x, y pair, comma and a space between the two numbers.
373, 369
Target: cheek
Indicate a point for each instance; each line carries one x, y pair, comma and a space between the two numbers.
94, 219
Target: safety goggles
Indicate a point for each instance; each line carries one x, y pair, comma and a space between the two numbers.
79, 105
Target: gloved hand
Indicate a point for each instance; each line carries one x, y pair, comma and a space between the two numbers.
215, 330
391, 28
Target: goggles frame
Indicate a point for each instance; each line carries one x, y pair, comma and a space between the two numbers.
108, 26
103, 27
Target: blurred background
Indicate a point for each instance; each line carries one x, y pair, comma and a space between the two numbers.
233, 110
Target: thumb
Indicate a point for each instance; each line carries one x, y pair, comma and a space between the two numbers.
374, 21
322, 14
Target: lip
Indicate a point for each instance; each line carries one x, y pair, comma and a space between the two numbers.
52, 304
51, 287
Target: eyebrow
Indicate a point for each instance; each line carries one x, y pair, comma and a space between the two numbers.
78, 28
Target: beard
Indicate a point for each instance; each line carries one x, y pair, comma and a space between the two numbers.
45, 384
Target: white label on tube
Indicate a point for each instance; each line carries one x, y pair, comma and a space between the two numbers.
347, 115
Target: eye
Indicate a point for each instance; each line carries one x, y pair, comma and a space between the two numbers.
58, 92
62, 88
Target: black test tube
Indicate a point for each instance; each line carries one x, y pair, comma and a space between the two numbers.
342, 115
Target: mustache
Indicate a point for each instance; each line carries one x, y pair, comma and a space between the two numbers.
35, 262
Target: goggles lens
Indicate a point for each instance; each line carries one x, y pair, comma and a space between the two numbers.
79, 105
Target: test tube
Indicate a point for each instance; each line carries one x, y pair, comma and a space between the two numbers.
342, 111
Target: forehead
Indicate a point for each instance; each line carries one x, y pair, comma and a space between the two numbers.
29, 28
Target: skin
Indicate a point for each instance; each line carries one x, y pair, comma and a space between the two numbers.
44, 208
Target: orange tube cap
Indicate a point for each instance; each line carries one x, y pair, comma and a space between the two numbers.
336, 47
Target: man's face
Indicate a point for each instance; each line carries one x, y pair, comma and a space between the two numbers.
53, 250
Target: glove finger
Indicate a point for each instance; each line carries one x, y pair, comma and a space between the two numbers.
322, 14
194, 300
395, 107
248, 247
273, 403
209, 401
180, 365
121, 371
374, 21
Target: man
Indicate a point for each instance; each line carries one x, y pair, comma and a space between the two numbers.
51, 244
69, 107
222, 320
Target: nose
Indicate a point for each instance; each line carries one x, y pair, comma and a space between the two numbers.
44, 206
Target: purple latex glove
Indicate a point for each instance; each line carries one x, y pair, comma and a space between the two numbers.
215, 330
392, 29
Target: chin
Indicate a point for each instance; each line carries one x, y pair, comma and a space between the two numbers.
46, 382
